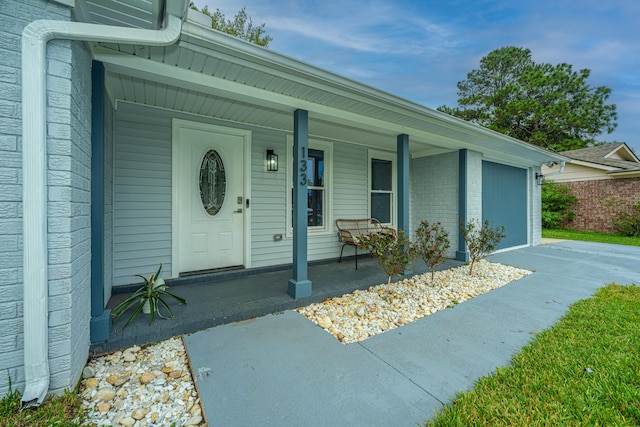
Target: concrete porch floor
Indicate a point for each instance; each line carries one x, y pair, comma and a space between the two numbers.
226, 297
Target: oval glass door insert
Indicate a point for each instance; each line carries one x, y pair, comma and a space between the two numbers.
213, 182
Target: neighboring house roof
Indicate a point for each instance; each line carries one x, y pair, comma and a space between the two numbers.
210, 73
616, 158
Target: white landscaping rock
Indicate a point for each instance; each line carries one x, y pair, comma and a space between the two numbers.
389, 306
144, 395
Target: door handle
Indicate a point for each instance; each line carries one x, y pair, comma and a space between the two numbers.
239, 210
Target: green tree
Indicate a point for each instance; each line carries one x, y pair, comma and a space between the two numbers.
548, 105
557, 204
240, 26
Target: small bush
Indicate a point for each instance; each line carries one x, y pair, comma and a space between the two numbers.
557, 204
481, 240
624, 218
393, 253
432, 241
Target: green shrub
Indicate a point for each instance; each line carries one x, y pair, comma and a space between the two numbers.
624, 217
432, 241
392, 252
557, 204
481, 240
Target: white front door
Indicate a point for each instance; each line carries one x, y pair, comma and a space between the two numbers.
209, 186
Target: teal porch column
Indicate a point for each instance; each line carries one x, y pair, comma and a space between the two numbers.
403, 183
100, 324
300, 285
462, 254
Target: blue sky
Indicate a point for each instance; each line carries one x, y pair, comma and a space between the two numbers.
419, 50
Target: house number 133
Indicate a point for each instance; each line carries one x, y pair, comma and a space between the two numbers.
303, 168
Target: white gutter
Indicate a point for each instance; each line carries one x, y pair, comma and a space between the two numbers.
558, 172
34, 175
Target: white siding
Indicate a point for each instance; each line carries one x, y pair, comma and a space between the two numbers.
349, 196
142, 193
348, 200
142, 200
268, 200
573, 172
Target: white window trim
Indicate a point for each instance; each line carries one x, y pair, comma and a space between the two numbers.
385, 155
327, 215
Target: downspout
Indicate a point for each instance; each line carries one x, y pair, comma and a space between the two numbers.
34, 172
558, 172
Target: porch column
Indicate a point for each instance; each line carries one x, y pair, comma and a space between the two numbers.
100, 325
461, 253
403, 183
300, 285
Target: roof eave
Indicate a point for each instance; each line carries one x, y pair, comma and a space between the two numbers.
195, 32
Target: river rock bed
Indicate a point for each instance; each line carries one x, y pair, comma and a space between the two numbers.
364, 313
138, 387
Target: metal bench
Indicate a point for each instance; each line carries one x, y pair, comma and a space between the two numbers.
350, 231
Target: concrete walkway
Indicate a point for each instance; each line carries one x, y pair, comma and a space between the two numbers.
282, 370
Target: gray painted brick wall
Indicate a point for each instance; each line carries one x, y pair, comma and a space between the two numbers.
434, 193
535, 208
474, 186
68, 145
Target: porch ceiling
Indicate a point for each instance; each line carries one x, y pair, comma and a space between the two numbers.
126, 88
211, 74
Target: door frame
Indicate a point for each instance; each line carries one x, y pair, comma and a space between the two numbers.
177, 125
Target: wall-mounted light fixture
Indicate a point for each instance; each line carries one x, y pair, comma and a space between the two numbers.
539, 178
272, 161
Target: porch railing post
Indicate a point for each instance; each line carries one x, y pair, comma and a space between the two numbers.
403, 183
100, 324
461, 253
403, 189
300, 285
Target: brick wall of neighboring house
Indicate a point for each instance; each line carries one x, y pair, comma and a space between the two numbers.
591, 213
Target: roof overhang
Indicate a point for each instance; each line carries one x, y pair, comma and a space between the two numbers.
592, 165
210, 73
624, 174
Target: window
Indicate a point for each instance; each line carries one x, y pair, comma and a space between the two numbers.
318, 187
382, 184
213, 182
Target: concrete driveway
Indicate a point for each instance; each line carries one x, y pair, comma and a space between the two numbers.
282, 370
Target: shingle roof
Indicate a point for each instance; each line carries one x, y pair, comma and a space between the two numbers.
598, 155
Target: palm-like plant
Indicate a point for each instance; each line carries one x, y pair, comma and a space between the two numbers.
151, 293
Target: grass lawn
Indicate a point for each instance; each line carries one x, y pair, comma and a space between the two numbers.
585, 371
63, 411
591, 236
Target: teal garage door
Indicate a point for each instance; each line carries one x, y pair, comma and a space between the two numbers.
504, 201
